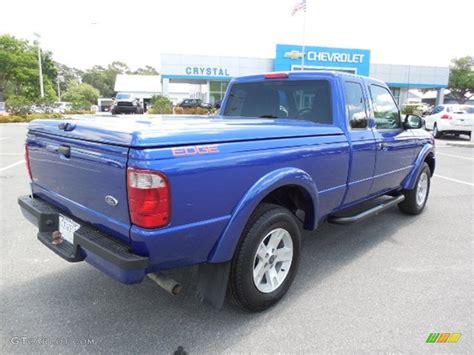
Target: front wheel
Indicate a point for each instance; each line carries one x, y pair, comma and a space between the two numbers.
266, 259
415, 200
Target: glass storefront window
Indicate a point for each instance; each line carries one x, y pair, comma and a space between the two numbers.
396, 94
217, 90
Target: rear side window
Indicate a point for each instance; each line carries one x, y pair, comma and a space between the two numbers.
386, 112
355, 104
299, 99
437, 109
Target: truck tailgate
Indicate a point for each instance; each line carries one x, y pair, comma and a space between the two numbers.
85, 179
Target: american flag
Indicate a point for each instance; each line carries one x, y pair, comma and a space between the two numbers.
299, 6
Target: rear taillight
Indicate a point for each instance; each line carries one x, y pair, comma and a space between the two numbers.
148, 198
446, 117
27, 160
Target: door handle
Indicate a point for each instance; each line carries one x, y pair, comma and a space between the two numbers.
383, 146
64, 150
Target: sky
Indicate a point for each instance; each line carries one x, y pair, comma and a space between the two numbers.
83, 33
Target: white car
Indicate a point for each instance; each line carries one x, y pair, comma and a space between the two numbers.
450, 119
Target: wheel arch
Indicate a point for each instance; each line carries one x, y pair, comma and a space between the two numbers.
268, 189
425, 155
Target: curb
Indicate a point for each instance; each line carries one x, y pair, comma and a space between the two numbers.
461, 144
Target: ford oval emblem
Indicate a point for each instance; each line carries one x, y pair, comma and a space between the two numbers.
111, 201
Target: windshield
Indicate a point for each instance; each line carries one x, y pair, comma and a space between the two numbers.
461, 109
123, 96
298, 99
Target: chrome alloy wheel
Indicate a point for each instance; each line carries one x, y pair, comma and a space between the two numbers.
422, 189
272, 260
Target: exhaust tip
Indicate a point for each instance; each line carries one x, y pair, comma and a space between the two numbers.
167, 283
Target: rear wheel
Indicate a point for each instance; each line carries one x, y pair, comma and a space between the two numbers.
436, 132
415, 200
266, 259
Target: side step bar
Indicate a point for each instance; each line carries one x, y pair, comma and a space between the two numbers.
368, 213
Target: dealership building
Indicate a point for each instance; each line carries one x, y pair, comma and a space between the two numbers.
207, 77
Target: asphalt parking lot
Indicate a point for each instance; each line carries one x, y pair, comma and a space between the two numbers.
379, 286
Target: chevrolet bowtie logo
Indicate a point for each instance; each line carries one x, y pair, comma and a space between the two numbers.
294, 55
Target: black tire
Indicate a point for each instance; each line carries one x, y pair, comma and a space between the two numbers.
410, 205
436, 132
266, 218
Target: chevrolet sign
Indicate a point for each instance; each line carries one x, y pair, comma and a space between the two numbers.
335, 57
294, 55
289, 57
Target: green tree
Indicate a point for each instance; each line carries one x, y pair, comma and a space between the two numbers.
100, 78
461, 78
103, 79
19, 74
81, 96
67, 76
161, 105
118, 67
148, 70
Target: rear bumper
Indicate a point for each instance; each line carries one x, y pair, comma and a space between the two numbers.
110, 255
448, 127
125, 109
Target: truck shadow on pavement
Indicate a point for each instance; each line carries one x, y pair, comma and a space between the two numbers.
80, 302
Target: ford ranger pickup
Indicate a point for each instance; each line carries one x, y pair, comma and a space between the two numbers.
229, 194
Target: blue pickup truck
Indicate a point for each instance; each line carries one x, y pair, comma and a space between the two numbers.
230, 194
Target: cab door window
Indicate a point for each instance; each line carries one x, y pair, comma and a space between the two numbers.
355, 104
386, 113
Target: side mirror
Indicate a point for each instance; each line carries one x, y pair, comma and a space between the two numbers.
413, 122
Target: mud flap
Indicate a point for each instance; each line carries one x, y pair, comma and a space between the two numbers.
212, 283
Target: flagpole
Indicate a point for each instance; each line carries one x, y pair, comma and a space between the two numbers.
304, 34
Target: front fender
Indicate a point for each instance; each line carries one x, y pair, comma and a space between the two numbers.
225, 246
410, 180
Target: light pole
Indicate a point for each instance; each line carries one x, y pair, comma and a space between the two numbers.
39, 64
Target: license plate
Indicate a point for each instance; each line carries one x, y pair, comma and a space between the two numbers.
67, 227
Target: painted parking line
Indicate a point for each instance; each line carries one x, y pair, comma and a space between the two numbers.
454, 180
12, 165
2, 138
454, 156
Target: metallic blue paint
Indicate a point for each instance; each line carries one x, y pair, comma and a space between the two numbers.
425, 147
213, 195
263, 187
79, 184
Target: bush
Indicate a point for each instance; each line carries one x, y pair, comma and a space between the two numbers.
79, 112
34, 116
409, 109
18, 105
178, 110
29, 118
191, 111
161, 105
81, 96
